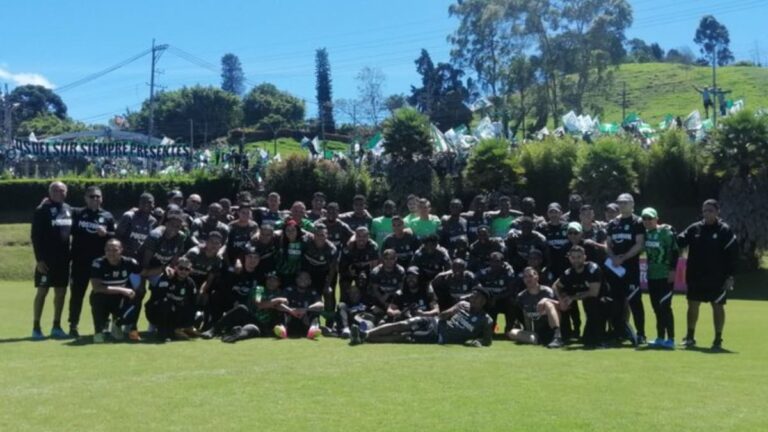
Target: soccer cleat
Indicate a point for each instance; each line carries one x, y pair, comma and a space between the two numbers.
313, 333
179, 334
58, 333
280, 331
116, 331
73, 333
688, 343
134, 336
669, 344
354, 337
657, 343
327, 331
208, 334
641, 340
99, 338
191, 332
717, 345
37, 335
345, 333
556, 343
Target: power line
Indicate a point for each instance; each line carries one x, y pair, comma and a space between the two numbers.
101, 73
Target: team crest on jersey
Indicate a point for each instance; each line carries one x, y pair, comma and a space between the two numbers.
101, 220
626, 227
473, 319
125, 273
54, 211
115, 274
714, 236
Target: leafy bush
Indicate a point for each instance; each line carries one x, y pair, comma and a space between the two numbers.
548, 169
493, 167
298, 177
406, 134
607, 168
673, 160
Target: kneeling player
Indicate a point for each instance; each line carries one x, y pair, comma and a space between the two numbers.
542, 320
581, 281
302, 310
171, 308
112, 292
464, 323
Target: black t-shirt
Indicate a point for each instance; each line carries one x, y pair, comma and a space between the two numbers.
339, 232
499, 282
529, 304
712, 254
163, 249
464, 326
301, 299
450, 288
51, 229
133, 229
453, 234
387, 282
355, 221
239, 239
519, 246
203, 265
86, 244
622, 233
430, 264
203, 226
239, 285
114, 275
263, 215
558, 246
357, 257
318, 260
575, 282
480, 253
176, 290
404, 246
268, 254
474, 221
421, 300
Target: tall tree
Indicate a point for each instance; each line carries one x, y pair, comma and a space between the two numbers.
370, 88
324, 91
713, 40
232, 76
34, 101
442, 94
265, 99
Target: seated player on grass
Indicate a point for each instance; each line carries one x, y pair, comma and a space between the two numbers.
385, 280
171, 307
464, 323
250, 320
413, 300
542, 319
112, 293
302, 310
356, 309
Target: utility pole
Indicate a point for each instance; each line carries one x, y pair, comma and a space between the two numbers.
716, 105
7, 118
624, 101
157, 50
192, 133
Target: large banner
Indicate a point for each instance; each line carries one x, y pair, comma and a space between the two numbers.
112, 149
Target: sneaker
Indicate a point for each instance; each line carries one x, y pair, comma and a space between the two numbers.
327, 331
37, 335
58, 333
179, 334
717, 345
280, 331
116, 331
669, 344
73, 333
657, 343
151, 328
134, 336
208, 334
313, 333
688, 343
556, 343
99, 338
345, 333
641, 340
354, 337
191, 332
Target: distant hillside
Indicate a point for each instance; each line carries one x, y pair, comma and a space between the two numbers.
657, 89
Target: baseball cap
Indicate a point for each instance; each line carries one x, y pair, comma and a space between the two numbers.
482, 291
554, 206
575, 226
612, 206
650, 212
412, 270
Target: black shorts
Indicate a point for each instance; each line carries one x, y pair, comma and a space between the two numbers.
544, 332
57, 276
423, 329
707, 294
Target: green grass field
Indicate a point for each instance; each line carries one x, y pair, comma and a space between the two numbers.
325, 385
288, 146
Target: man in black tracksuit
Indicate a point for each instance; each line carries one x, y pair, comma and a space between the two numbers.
92, 226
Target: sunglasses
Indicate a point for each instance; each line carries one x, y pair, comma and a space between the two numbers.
184, 268
573, 232
94, 196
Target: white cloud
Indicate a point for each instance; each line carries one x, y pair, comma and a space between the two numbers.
24, 78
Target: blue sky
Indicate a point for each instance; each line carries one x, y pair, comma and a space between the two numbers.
59, 42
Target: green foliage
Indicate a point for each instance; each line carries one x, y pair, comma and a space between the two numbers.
548, 168
407, 134
324, 90
741, 145
213, 112
232, 76
297, 177
673, 160
442, 94
607, 168
45, 125
713, 39
744, 203
408, 176
34, 101
266, 99
493, 167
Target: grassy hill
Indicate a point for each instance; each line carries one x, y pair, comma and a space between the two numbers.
289, 146
657, 89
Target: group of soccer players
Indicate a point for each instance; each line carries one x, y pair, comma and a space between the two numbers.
242, 271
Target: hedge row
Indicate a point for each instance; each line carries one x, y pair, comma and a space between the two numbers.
251, 135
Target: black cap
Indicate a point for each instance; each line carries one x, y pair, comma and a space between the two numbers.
483, 291
174, 194
412, 270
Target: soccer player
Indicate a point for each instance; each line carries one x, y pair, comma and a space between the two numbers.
521, 240
413, 300
92, 226
291, 248
412, 203
339, 232
480, 251
476, 217
424, 224
503, 218
542, 320
112, 293
500, 281
321, 260
611, 212
464, 323
171, 308
163, 246
626, 239
318, 207
176, 198
240, 232
402, 241
528, 208
203, 226
359, 256
431, 259
453, 285
356, 308
267, 246
581, 281
556, 233
135, 225
359, 216
302, 310
298, 214
662, 252
575, 201
712, 255
51, 226
251, 320
226, 215
593, 231
236, 284
194, 202
453, 231
381, 226
385, 280
271, 214
207, 262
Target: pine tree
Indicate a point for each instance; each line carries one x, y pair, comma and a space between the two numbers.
232, 76
324, 92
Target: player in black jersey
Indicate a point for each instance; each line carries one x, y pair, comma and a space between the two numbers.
92, 226
207, 224
480, 251
271, 214
240, 232
317, 205
339, 232
431, 259
500, 281
302, 310
385, 280
413, 300
359, 256
581, 282
207, 262
135, 225
402, 241
50, 234
453, 285
171, 308
521, 240
539, 306
112, 294
476, 217
453, 231
626, 239
267, 246
359, 216
321, 260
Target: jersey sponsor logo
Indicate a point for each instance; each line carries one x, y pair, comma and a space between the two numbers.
652, 244
61, 222
621, 237
138, 236
89, 227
